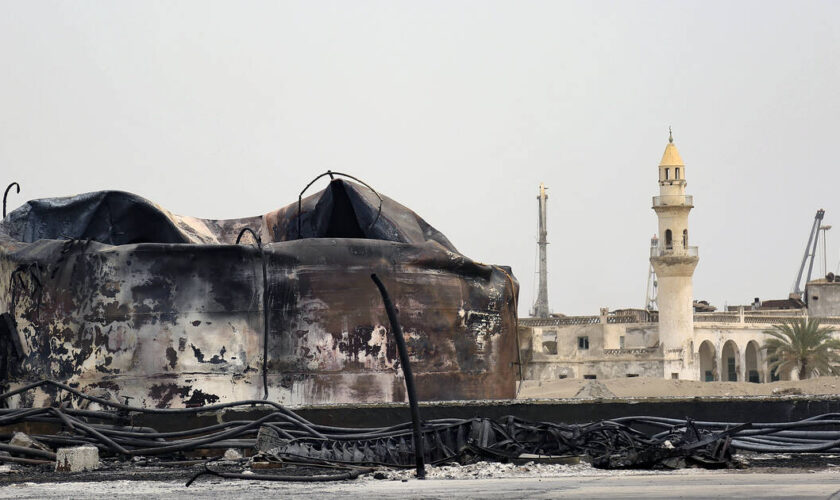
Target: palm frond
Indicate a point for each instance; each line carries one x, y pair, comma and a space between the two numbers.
802, 344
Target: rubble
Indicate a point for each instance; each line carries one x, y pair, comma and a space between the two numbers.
594, 389
489, 470
77, 459
268, 439
25, 441
787, 391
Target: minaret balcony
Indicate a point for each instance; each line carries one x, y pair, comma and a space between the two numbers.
675, 251
673, 200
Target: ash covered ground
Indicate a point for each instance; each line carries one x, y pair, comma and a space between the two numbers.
766, 476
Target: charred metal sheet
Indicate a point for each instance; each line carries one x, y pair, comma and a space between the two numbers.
107, 291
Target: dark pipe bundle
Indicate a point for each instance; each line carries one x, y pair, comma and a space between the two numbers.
628, 442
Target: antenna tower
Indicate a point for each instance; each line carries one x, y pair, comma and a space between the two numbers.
652, 282
540, 309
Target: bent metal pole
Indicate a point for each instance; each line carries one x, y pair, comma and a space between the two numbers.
409, 378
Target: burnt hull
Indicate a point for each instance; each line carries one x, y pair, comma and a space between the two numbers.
174, 325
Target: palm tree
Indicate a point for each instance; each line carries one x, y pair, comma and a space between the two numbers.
804, 345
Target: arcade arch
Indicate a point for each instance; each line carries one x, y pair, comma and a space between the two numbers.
708, 362
730, 359
752, 362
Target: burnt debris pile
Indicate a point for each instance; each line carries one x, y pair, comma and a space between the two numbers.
605, 444
282, 437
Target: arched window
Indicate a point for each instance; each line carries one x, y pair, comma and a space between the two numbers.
668, 243
677, 173
685, 238
667, 173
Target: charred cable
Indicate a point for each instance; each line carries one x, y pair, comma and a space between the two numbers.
627, 442
266, 323
409, 377
6, 193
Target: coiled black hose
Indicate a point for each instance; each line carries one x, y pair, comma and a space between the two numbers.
409, 377
511, 436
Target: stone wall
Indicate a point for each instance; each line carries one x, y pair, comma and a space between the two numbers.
721, 348
823, 298
557, 351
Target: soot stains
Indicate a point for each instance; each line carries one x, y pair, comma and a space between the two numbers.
105, 384
219, 358
171, 356
216, 359
162, 394
106, 313
420, 347
158, 292
200, 398
104, 366
197, 353
358, 341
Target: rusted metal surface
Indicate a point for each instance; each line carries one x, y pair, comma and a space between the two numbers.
108, 291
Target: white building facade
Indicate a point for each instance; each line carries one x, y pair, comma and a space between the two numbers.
674, 342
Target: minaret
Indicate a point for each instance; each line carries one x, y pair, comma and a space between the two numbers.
541, 305
673, 259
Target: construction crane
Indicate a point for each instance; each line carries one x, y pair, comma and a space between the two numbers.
810, 252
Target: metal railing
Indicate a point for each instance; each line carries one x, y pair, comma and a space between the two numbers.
673, 200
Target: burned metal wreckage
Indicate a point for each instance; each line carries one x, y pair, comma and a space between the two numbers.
106, 297
110, 293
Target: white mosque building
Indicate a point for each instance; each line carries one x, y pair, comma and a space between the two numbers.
675, 341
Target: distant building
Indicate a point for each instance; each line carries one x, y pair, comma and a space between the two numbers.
823, 296
684, 339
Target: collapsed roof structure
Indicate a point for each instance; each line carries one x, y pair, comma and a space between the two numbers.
106, 291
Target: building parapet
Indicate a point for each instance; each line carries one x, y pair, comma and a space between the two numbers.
759, 317
586, 320
561, 321
623, 319
640, 351
751, 317
766, 319
676, 250
717, 317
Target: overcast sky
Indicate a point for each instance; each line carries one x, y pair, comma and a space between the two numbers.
457, 110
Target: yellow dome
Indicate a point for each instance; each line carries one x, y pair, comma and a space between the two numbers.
671, 157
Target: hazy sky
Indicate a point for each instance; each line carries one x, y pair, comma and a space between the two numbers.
457, 110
